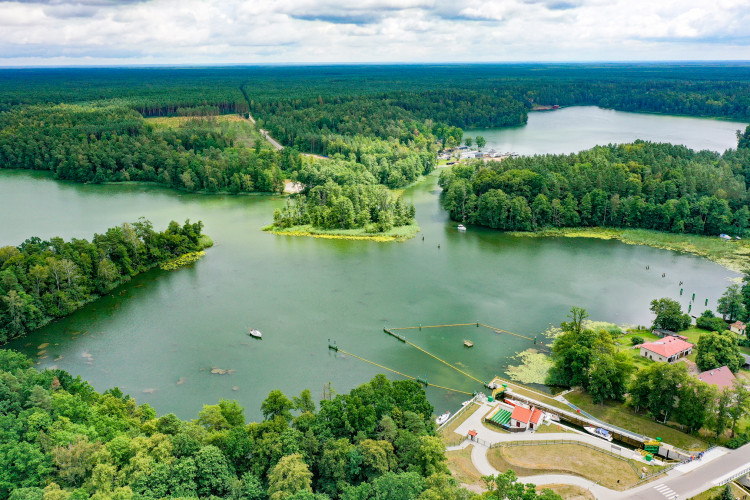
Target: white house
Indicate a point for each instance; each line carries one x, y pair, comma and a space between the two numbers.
525, 418
737, 327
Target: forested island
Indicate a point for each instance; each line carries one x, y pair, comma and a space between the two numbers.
64, 440
42, 280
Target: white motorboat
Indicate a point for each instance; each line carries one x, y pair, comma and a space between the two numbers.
461, 227
255, 333
599, 432
443, 418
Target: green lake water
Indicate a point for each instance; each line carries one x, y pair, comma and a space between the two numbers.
569, 130
158, 336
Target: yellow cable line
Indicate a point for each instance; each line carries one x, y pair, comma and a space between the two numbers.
444, 362
399, 373
431, 326
505, 331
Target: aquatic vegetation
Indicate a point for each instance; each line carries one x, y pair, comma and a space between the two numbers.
401, 233
533, 369
182, 261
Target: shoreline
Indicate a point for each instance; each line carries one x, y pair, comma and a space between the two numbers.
733, 255
397, 234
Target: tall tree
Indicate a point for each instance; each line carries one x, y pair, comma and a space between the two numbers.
289, 476
731, 303
669, 315
717, 349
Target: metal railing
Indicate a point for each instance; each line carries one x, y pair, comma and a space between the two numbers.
459, 412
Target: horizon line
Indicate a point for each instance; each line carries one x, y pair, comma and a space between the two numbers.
388, 63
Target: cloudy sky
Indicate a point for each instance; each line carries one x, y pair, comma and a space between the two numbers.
86, 32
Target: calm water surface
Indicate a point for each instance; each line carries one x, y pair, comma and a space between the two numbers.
159, 336
569, 130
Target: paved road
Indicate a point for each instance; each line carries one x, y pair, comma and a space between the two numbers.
681, 483
685, 485
266, 135
475, 422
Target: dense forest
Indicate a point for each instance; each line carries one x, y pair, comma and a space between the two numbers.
63, 440
42, 280
111, 143
353, 206
381, 125
640, 185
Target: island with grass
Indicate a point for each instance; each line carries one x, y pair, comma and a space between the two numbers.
351, 212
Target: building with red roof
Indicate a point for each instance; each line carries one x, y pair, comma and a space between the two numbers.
738, 327
722, 378
525, 418
668, 349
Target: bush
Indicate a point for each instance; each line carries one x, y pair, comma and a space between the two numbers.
738, 440
707, 321
636, 340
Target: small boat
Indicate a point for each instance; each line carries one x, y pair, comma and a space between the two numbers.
255, 333
443, 418
552, 417
599, 432
461, 227
468, 343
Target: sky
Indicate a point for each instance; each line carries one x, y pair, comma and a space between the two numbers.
129, 32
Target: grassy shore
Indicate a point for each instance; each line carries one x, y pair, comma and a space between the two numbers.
401, 233
733, 254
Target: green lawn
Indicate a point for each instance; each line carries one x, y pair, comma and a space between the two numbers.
620, 415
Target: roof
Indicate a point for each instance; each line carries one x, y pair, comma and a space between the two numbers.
667, 347
536, 415
521, 414
720, 377
472, 433
738, 324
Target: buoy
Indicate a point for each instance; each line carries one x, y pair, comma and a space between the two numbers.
680, 291
706, 301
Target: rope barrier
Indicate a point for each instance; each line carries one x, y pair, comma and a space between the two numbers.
505, 331
399, 373
432, 326
445, 362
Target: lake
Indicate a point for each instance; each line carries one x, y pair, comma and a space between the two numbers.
569, 130
159, 336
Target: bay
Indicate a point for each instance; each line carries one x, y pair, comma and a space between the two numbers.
159, 336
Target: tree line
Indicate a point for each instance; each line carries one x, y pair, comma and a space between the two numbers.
64, 440
105, 143
42, 280
639, 185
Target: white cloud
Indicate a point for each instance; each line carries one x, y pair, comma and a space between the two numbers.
249, 31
